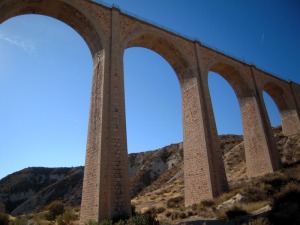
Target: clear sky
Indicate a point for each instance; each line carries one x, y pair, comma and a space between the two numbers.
46, 71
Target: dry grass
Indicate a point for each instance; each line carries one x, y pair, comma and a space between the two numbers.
259, 191
253, 206
227, 195
168, 204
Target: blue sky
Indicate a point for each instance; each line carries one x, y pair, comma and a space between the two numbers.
46, 69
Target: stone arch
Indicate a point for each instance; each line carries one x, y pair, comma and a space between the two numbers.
202, 179
241, 89
288, 113
74, 16
257, 139
232, 75
163, 46
62, 11
277, 94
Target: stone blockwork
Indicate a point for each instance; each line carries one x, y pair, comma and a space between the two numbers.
109, 32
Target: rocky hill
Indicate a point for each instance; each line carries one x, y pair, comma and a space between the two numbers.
31, 189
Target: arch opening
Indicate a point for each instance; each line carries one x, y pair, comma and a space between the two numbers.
272, 109
233, 77
62, 11
45, 93
170, 59
164, 48
276, 93
289, 118
256, 136
225, 105
226, 110
152, 96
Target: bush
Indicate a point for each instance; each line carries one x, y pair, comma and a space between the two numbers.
235, 212
122, 216
55, 209
175, 202
143, 219
160, 210
258, 191
231, 213
182, 215
4, 219
19, 221
106, 222
168, 214
175, 215
286, 207
66, 218
121, 222
133, 210
208, 203
205, 209
190, 213
92, 222
139, 219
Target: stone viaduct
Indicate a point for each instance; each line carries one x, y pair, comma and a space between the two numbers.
108, 32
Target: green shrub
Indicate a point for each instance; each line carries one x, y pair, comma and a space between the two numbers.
143, 219
138, 219
19, 221
67, 217
55, 209
77, 209
4, 219
106, 222
92, 222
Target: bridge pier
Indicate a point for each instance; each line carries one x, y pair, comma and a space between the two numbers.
204, 172
96, 202
261, 154
290, 122
106, 193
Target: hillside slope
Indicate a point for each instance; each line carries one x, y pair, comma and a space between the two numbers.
23, 185
152, 174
